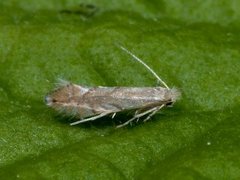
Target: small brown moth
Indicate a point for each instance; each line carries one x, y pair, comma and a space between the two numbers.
91, 103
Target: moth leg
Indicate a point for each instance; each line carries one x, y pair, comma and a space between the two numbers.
90, 119
136, 113
154, 112
138, 116
137, 119
114, 114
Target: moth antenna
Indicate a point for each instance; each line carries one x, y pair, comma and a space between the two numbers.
145, 65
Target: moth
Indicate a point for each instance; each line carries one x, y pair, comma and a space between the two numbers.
91, 103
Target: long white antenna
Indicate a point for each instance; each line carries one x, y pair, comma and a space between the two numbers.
146, 66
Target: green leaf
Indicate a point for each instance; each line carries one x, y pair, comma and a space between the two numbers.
193, 46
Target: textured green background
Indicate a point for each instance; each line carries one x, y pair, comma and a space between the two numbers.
193, 45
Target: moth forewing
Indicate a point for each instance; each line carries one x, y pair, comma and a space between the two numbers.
91, 103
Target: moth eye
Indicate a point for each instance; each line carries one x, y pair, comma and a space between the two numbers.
54, 100
169, 103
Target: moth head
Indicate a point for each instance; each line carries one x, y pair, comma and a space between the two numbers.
174, 95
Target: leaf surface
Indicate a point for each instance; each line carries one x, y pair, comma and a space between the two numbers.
193, 46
